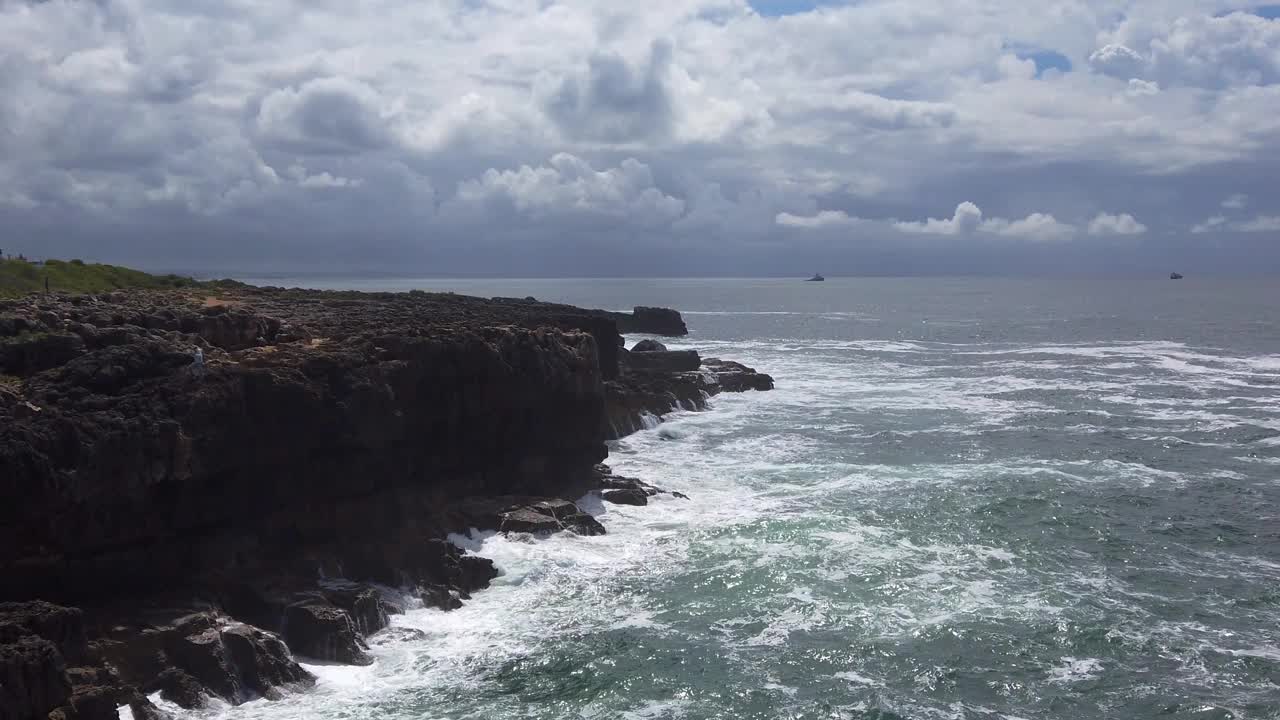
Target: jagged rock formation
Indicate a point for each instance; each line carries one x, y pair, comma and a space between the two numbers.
323, 434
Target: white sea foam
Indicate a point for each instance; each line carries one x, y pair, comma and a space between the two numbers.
1072, 670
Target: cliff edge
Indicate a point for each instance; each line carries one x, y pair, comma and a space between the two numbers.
188, 475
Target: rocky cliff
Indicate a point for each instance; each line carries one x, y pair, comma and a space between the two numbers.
192, 505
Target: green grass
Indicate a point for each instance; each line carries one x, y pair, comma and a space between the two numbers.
19, 277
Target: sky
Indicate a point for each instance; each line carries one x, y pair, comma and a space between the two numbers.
668, 137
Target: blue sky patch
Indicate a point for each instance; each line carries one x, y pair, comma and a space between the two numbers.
1047, 60
778, 8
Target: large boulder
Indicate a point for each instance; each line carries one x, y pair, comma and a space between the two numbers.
649, 346
324, 632
262, 661
626, 497
362, 602
653, 321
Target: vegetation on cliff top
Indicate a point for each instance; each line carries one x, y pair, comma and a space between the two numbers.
20, 277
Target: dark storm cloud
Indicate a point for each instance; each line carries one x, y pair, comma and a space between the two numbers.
609, 101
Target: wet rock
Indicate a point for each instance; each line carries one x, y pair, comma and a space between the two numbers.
363, 603
626, 497
549, 516
528, 520
440, 597
397, 635
181, 689
736, 377
204, 656
324, 632
584, 524
649, 346
263, 662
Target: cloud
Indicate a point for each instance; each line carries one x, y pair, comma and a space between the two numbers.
1122, 224
568, 186
1040, 227
1231, 50
823, 219
698, 129
1117, 61
966, 219
324, 116
1142, 88
1258, 224
611, 101
1236, 202
1261, 223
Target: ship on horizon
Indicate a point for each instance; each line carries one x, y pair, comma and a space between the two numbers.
817, 277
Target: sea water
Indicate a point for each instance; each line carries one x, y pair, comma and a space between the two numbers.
966, 498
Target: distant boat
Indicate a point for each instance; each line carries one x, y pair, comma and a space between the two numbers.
816, 278
1175, 276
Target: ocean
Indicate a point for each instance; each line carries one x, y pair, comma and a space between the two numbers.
967, 498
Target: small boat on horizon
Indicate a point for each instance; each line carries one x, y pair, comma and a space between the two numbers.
1175, 276
817, 277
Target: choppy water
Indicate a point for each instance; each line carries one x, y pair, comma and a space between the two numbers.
966, 499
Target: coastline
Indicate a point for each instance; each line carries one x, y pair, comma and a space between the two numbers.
326, 434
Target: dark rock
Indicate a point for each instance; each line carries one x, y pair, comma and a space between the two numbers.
528, 520
649, 346
324, 632
626, 497
584, 524
181, 689
62, 626
557, 508
620, 483
736, 377
31, 353
204, 656
670, 361
547, 516
440, 597
33, 679
262, 661
362, 603
652, 321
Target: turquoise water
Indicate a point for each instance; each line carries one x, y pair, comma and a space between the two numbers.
965, 499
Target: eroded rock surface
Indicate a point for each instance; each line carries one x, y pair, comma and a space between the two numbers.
199, 505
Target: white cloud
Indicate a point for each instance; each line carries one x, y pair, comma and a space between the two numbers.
966, 219
1122, 224
1117, 61
823, 219
1142, 88
1258, 224
569, 186
1236, 202
1217, 222
1040, 227
1261, 223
